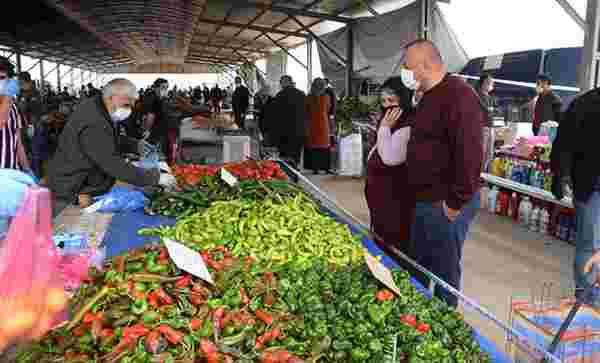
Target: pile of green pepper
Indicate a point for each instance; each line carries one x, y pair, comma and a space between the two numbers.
195, 199
277, 229
141, 308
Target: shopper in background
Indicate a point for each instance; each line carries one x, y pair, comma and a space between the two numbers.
316, 150
575, 167
206, 94
485, 86
262, 100
216, 97
333, 127
391, 203
547, 106
285, 120
155, 114
240, 102
30, 105
444, 159
87, 160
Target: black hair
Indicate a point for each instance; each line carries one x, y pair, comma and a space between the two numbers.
159, 82
7, 66
25, 76
544, 78
484, 77
398, 88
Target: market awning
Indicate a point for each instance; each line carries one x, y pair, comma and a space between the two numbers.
141, 35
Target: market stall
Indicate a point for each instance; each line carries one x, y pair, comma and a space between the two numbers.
122, 236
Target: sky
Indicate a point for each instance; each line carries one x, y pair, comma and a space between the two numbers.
488, 27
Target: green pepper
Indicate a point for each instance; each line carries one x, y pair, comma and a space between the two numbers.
235, 339
207, 328
229, 330
376, 345
256, 303
360, 355
86, 339
150, 316
140, 286
139, 307
134, 267
215, 303
342, 345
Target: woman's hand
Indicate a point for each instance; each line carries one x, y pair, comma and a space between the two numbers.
391, 117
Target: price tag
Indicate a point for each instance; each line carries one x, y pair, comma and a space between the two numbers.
188, 260
228, 178
381, 273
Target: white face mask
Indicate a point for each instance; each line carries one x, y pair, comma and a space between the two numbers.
408, 78
120, 114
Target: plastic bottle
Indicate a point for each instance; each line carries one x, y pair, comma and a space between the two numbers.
525, 211
513, 209
502, 203
492, 196
548, 180
557, 227
541, 178
509, 168
544, 221
534, 220
572, 230
484, 194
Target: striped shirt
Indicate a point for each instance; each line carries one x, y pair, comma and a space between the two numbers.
9, 135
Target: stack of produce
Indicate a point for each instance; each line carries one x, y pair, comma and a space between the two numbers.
192, 174
278, 229
143, 309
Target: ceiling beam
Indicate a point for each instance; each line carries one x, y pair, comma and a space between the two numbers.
218, 59
318, 39
299, 12
286, 51
253, 27
223, 46
570, 10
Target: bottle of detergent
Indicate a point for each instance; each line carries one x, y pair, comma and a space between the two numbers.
492, 196
513, 209
525, 211
548, 181
544, 221
534, 220
502, 203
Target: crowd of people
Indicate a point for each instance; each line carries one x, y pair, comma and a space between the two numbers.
423, 174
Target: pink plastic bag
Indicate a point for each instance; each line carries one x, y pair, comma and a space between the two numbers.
31, 292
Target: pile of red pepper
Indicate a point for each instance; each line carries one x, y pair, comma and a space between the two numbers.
193, 174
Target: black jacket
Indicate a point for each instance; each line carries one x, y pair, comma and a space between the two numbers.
87, 159
575, 149
547, 108
286, 115
240, 99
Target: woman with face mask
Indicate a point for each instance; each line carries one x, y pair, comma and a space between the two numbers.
387, 193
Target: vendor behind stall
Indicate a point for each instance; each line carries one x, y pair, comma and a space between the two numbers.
155, 113
87, 159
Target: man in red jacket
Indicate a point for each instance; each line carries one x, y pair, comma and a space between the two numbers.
444, 161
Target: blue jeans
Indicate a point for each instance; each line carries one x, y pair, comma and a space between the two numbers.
588, 239
438, 243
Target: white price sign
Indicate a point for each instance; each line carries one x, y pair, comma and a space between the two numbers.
228, 178
381, 273
188, 260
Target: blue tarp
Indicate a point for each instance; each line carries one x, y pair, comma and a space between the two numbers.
122, 236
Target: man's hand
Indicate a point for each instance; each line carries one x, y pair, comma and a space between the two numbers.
451, 214
589, 266
563, 188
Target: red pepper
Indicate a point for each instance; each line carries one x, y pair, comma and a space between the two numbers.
384, 295
244, 296
271, 335
96, 329
205, 256
183, 282
197, 299
139, 295
89, 318
269, 276
409, 320
135, 331
209, 350
264, 317
79, 331
153, 342
107, 333
172, 335
215, 265
153, 299
423, 328
120, 264
218, 316
164, 254
164, 297
196, 324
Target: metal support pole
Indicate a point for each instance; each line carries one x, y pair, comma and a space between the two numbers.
309, 70
316, 37
19, 63
42, 74
72, 71
591, 56
426, 11
570, 10
58, 85
285, 51
349, 58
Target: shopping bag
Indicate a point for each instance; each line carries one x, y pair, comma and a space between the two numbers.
31, 293
351, 155
119, 199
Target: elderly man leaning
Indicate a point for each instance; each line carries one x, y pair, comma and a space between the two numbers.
87, 160
444, 163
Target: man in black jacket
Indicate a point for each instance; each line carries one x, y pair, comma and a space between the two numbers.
575, 166
547, 106
87, 160
240, 102
286, 119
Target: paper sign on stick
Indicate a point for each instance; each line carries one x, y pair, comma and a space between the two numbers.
228, 178
188, 260
381, 273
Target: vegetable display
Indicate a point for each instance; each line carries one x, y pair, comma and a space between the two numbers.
278, 229
255, 312
192, 174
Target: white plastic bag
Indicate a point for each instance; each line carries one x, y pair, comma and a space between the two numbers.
351, 155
